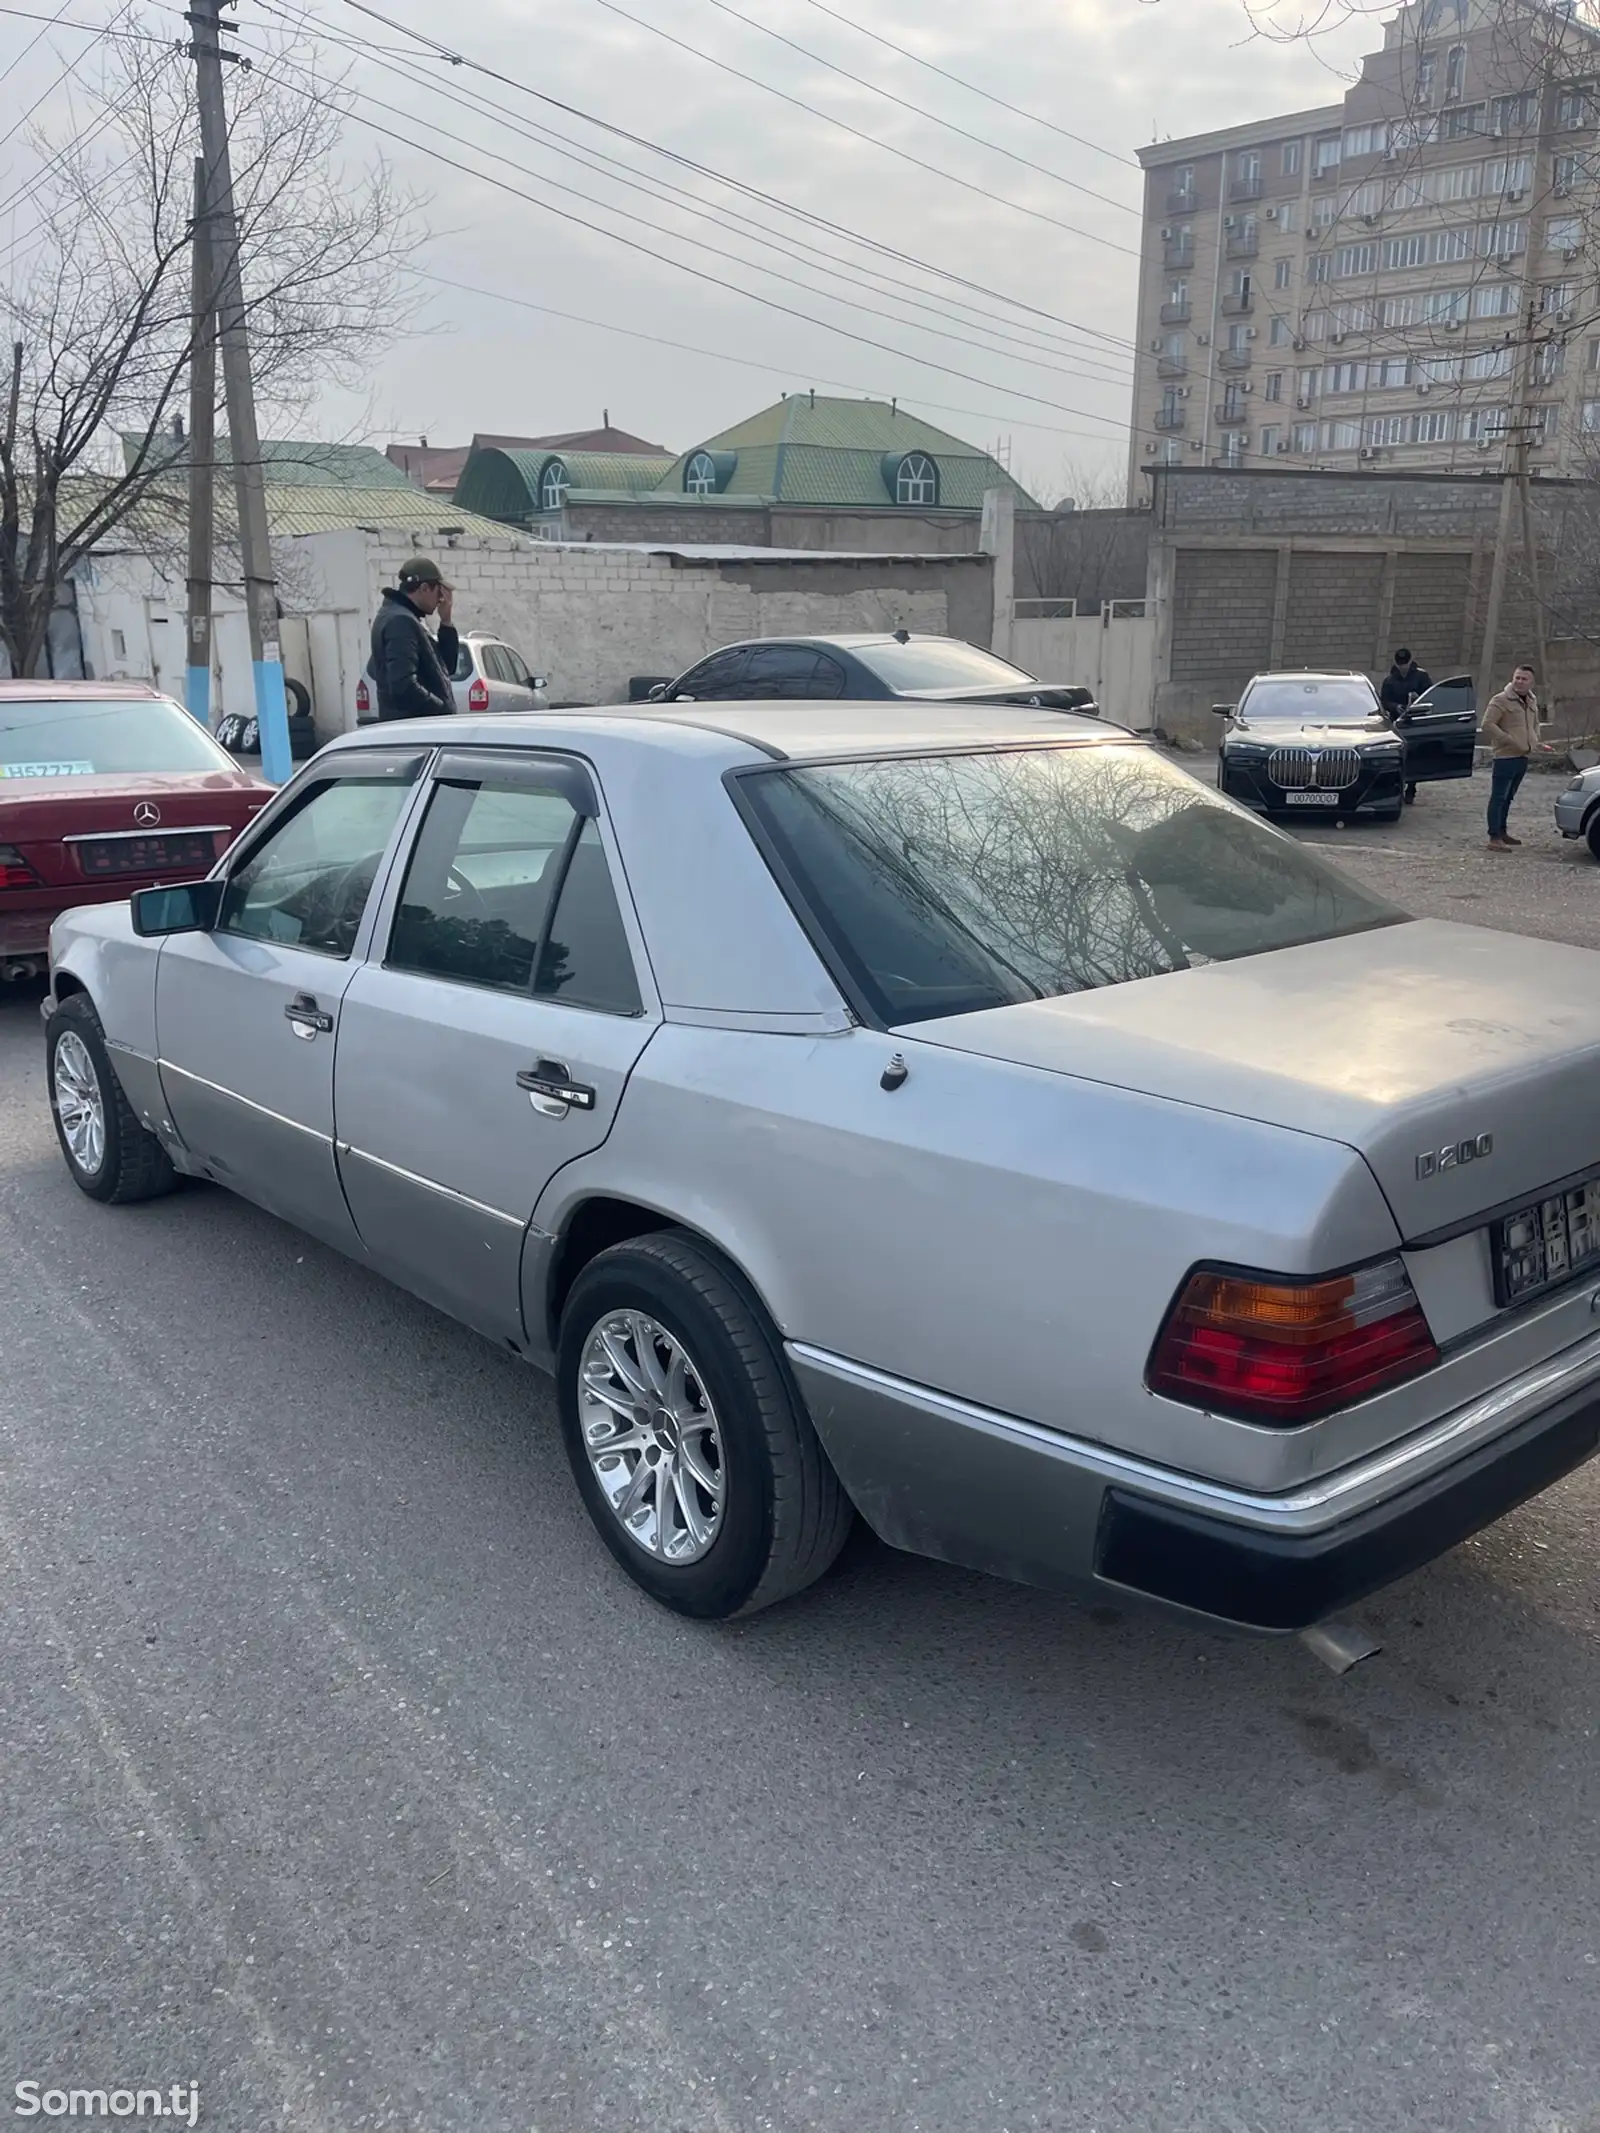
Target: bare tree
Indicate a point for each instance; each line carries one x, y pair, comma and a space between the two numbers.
97, 314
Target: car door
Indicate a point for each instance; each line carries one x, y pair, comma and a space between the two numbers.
490, 1040
790, 670
1440, 732
246, 1014
519, 682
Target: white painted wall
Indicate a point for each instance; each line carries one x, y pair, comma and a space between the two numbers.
1114, 654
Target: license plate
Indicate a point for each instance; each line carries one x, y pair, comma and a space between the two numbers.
145, 855
1311, 799
1547, 1242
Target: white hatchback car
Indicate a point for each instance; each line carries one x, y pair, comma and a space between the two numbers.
491, 677
1578, 808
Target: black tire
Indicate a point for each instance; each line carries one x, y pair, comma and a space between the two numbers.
784, 1517
1410, 797
133, 1164
298, 697
1591, 832
302, 739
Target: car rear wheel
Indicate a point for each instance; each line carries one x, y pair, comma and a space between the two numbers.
686, 1436
1592, 832
110, 1155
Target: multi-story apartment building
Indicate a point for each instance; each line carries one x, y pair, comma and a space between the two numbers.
1402, 279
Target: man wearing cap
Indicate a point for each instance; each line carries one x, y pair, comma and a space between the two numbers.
411, 669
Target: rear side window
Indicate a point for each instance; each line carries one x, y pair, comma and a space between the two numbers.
509, 887
781, 670
947, 884
464, 667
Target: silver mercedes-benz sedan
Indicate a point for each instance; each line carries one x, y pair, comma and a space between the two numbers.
952, 1115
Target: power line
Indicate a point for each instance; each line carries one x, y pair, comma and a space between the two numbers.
1081, 364
50, 22
721, 355
921, 110
71, 67
903, 155
455, 58
409, 140
972, 87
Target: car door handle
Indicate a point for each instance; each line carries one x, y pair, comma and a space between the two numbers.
548, 1078
306, 1017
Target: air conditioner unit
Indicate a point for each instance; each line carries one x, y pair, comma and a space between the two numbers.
1302, 400
1450, 325
1227, 222
1564, 318
1157, 345
1151, 448
1183, 392
1202, 340
1558, 191
1391, 155
1250, 333
1424, 387
1197, 446
1281, 447
1246, 386
1372, 221
1569, 251
1368, 451
1166, 236
1515, 194
1337, 339
1299, 346
1272, 214
1497, 133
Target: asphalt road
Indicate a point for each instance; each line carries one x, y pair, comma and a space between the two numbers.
344, 1775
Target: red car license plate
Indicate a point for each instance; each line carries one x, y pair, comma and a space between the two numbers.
145, 855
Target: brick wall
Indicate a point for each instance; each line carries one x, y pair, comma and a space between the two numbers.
1332, 615
1222, 616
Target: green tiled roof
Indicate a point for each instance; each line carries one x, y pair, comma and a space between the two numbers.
296, 463
505, 482
293, 509
807, 450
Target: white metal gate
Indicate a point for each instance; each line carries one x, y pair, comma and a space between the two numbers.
1112, 652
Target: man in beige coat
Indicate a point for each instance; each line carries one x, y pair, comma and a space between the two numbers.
1511, 727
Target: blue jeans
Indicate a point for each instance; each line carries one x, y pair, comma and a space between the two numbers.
1505, 775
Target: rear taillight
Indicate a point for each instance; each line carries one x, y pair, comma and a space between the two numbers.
363, 699
15, 872
1285, 1352
478, 696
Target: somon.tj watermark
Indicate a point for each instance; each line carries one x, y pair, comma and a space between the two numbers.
180, 2101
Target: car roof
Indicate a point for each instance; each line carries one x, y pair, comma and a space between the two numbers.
803, 730
850, 641
1311, 674
55, 692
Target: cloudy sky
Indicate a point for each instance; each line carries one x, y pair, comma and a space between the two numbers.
1006, 316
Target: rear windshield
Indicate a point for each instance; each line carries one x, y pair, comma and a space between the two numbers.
939, 663
949, 883
1309, 702
94, 739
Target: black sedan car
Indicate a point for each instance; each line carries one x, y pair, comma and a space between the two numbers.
1322, 744
894, 663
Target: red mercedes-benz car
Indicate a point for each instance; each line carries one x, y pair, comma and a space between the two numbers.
105, 787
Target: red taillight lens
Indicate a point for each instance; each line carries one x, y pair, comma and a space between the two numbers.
15, 872
363, 698
478, 696
1286, 1352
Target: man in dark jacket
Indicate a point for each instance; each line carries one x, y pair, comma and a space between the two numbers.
1402, 685
411, 670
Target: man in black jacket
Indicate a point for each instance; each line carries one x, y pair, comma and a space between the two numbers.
411, 670
1402, 685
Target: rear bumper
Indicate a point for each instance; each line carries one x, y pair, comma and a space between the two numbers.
942, 1477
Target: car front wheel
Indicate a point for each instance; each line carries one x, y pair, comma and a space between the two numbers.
109, 1153
686, 1436
1592, 832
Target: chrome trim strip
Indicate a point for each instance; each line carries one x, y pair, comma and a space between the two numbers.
1306, 1509
157, 829
445, 1192
249, 1104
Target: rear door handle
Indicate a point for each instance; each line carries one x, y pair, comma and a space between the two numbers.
549, 1079
306, 1017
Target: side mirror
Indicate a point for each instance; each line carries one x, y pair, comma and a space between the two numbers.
186, 907
658, 695
1223, 710
539, 681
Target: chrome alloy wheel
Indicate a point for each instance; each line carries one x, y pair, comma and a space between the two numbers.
652, 1438
80, 1103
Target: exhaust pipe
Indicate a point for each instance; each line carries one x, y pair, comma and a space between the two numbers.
22, 966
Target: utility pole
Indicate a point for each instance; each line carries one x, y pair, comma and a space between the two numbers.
202, 453
260, 588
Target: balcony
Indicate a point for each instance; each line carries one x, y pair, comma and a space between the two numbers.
1233, 359
1176, 314
1233, 414
1177, 253
1244, 188
1242, 244
1172, 366
1237, 303
1169, 420
1182, 201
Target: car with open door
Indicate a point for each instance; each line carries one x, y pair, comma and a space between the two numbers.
1321, 744
953, 1115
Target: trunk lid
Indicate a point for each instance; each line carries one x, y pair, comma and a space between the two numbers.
1401, 1043
47, 819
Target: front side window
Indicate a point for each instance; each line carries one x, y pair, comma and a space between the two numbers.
509, 888
307, 884
85, 737
554, 484
950, 884
790, 670
716, 677
700, 475
916, 480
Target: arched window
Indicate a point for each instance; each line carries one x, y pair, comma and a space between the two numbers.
700, 475
554, 484
916, 480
